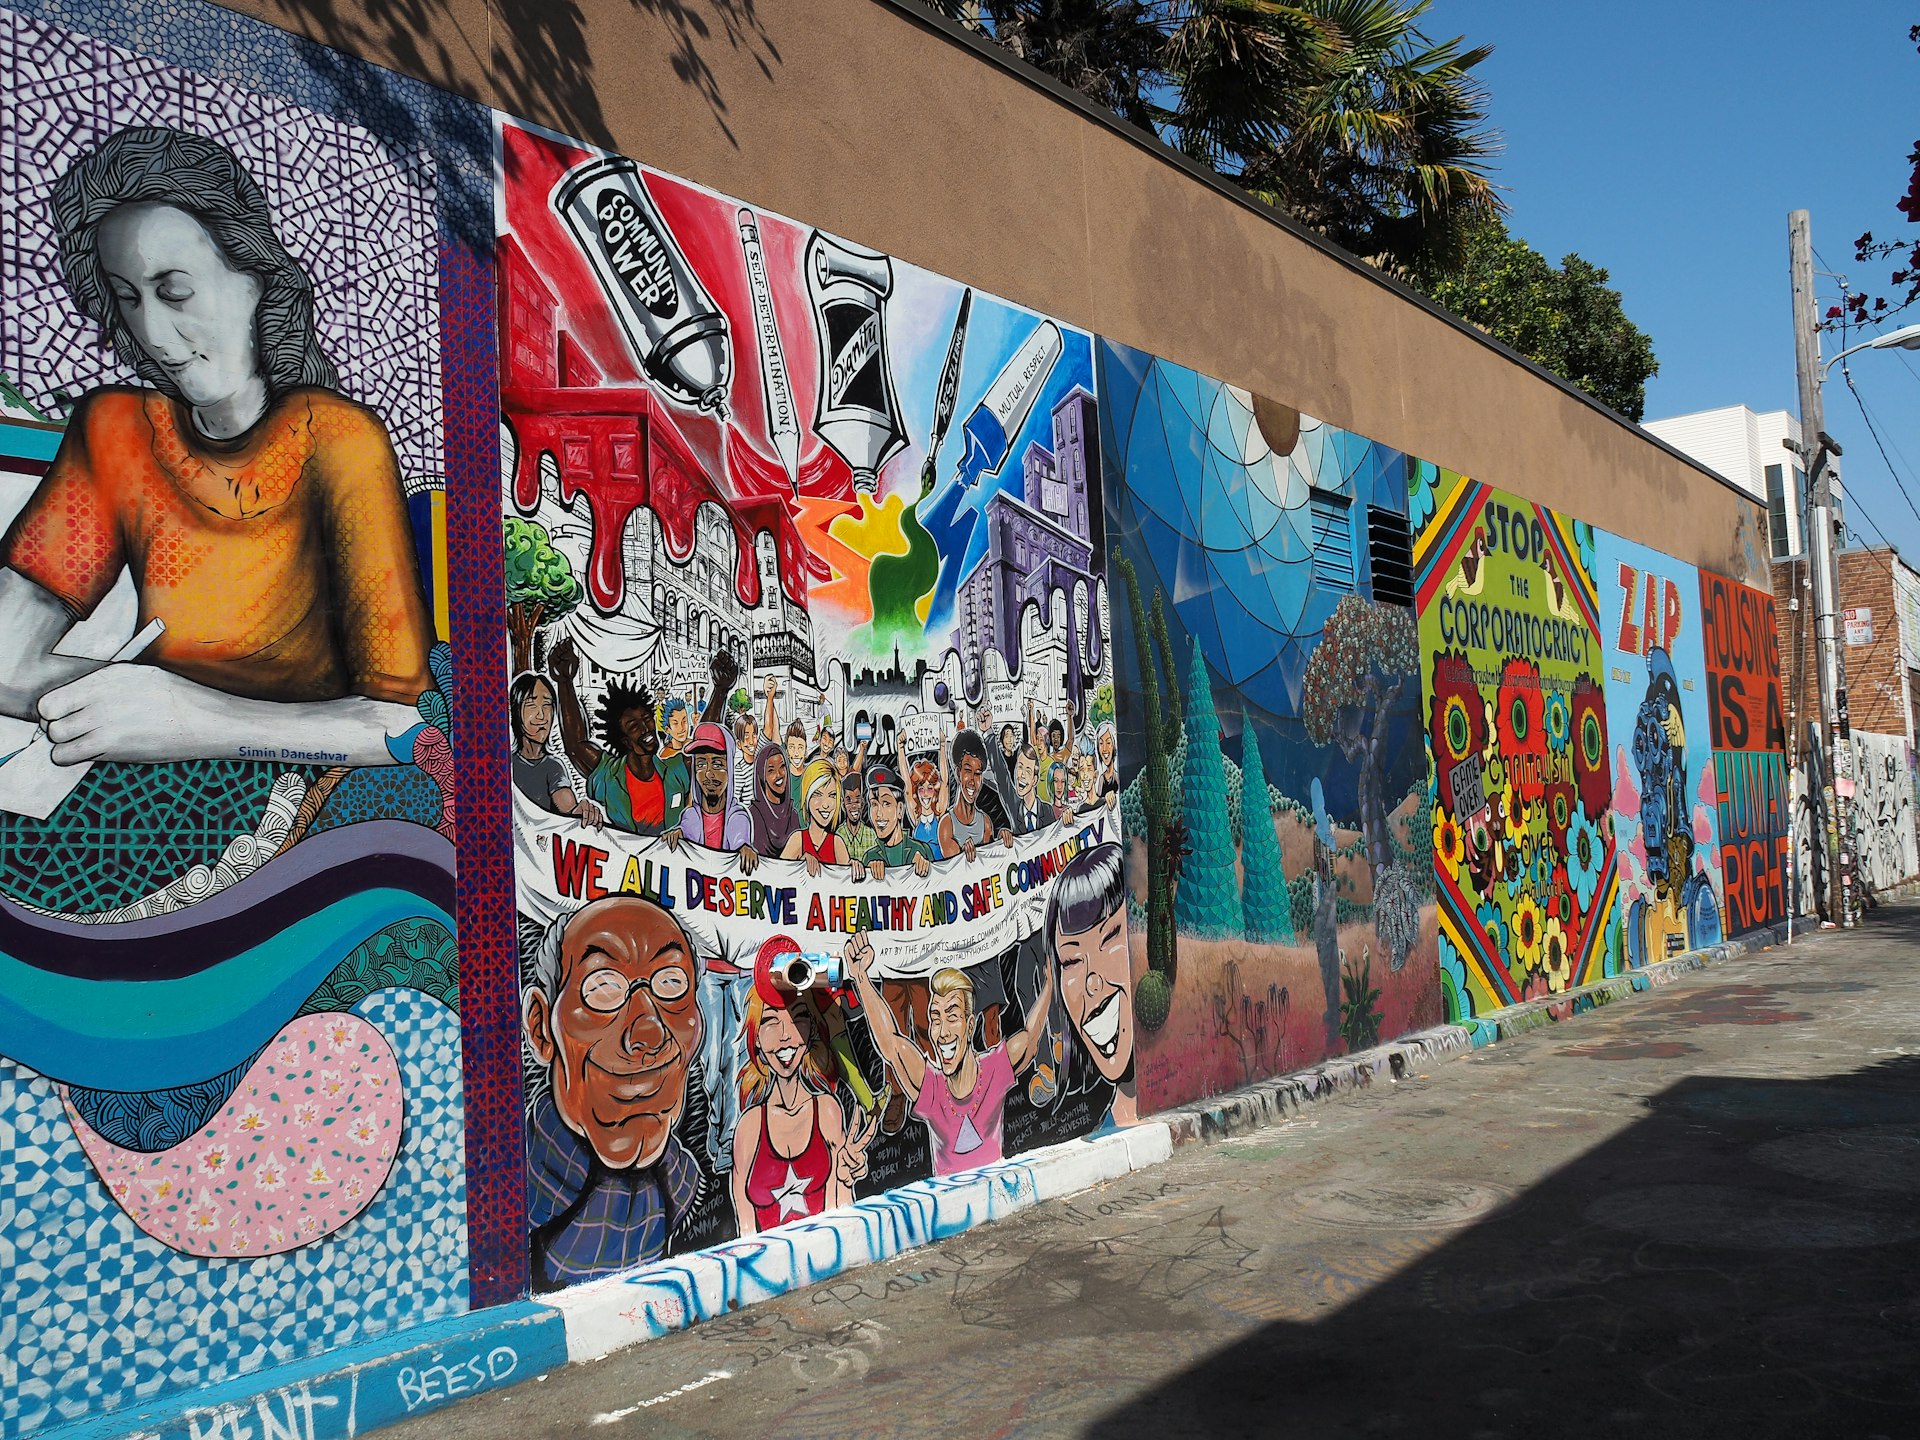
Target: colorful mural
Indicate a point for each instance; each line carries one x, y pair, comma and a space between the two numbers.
1265, 647
1512, 686
1665, 800
231, 1097
1748, 733
816, 802
830, 833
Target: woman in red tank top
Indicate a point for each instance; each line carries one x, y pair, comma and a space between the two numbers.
815, 841
792, 1154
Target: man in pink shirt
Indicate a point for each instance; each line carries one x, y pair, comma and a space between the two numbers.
963, 1100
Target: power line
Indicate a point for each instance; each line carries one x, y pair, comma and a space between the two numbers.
1873, 430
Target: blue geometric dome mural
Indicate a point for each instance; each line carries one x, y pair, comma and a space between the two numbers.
1228, 523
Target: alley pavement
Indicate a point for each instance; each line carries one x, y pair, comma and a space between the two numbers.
1690, 1214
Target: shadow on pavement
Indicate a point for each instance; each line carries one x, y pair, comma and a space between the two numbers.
1743, 1261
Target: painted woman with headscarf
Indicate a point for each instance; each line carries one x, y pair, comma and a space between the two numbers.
774, 818
794, 1152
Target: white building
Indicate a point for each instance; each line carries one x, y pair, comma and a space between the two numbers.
1747, 447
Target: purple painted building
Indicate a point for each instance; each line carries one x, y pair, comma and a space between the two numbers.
1037, 542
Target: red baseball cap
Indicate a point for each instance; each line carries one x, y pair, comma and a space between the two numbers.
709, 737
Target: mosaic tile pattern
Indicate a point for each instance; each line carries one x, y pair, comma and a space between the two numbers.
79, 1283
490, 979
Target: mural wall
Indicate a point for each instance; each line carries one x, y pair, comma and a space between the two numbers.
1665, 795
231, 1093
1265, 650
1746, 722
1517, 726
1883, 809
816, 807
894, 731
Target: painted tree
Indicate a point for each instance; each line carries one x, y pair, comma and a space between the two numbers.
1366, 657
1207, 904
541, 587
1157, 799
1263, 890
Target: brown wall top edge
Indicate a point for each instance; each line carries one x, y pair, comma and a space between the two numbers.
477, 51
1153, 145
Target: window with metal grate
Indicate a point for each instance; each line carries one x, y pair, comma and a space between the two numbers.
1333, 556
1390, 551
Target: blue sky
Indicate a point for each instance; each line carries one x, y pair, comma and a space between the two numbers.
1667, 142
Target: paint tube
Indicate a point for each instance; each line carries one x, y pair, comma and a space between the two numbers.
675, 329
996, 420
783, 419
859, 414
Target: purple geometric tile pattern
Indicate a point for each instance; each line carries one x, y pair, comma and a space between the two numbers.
489, 973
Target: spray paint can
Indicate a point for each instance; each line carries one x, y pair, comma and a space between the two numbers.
783, 418
677, 331
858, 413
996, 420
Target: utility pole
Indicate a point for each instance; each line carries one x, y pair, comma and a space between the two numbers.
1815, 447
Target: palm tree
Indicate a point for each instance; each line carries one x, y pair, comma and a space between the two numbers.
1353, 121
1340, 112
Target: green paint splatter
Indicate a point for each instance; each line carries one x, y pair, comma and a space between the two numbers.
897, 584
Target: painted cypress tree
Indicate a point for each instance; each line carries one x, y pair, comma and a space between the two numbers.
1263, 891
1208, 902
1157, 798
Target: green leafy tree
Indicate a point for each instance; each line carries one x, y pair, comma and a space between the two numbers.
1207, 903
1344, 114
541, 587
1564, 318
1263, 892
1100, 708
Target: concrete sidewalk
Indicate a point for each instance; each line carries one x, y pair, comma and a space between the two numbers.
1687, 1215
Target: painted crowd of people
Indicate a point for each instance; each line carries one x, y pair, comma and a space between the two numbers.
790, 1118
749, 783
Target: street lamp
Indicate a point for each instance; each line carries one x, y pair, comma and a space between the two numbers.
1907, 337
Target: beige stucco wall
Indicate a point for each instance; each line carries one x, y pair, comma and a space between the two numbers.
850, 115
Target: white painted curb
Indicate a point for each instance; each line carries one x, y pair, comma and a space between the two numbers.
607, 1315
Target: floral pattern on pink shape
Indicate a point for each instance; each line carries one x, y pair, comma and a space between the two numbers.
303, 1144
434, 754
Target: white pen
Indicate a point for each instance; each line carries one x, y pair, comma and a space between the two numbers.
139, 641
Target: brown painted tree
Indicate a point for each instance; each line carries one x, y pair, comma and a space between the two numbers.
540, 586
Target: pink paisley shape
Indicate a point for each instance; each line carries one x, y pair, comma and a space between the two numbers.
433, 754
301, 1147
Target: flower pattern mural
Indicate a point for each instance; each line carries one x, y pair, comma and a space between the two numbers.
1524, 854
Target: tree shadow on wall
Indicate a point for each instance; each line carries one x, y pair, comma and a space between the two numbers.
1744, 1261
538, 59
